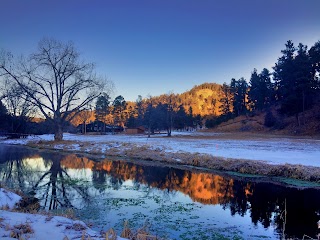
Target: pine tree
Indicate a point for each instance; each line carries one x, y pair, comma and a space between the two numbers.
226, 99
261, 89
119, 110
295, 82
102, 109
239, 90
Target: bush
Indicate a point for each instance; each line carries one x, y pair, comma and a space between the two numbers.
210, 123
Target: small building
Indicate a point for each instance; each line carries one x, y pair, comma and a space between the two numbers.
99, 127
137, 130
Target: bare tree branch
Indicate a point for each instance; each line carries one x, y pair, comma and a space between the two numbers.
55, 80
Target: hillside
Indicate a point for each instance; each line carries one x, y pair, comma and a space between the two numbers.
204, 99
283, 125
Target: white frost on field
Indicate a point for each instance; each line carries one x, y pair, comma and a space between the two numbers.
15, 225
272, 150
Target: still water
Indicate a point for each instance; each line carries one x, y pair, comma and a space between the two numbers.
174, 203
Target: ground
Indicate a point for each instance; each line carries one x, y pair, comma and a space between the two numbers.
244, 153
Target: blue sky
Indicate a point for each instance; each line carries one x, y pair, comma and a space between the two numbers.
154, 47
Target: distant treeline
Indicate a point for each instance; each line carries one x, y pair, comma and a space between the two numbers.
293, 86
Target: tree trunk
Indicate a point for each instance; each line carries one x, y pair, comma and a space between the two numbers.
298, 119
84, 127
149, 131
303, 108
169, 132
58, 133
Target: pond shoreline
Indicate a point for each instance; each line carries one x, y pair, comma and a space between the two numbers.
206, 162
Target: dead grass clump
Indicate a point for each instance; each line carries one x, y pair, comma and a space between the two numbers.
196, 162
76, 227
113, 152
28, 205
84, 236
288, 171
2, 225
5, 207
21, 229
142, 236
111, 234
245, 167
297, 172
126, 233
143, 152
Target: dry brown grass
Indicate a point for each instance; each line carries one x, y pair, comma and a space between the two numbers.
111, 234
76, 227
20, 231
126, 233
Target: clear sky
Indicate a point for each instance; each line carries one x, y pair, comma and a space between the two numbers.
160, 46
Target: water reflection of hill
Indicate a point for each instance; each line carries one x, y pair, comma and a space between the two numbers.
205, 188
265, 202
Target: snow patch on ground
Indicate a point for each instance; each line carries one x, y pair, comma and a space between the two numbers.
8, 199
15, 225
36, 226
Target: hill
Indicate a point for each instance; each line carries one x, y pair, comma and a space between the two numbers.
283, 125
204, 99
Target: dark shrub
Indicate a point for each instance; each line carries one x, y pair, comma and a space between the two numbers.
269, 119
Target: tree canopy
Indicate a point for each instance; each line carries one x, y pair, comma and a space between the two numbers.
55, 80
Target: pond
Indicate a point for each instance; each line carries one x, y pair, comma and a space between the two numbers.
174, 203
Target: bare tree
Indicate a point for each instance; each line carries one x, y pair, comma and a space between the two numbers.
17, 104
55, 80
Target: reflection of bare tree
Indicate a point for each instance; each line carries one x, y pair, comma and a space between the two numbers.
57, 188
98, 179
41, 174
14, 170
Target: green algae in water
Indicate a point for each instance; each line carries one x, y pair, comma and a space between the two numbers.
299, 183
245, 175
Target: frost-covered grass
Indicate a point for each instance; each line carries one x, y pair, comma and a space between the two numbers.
277, 156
